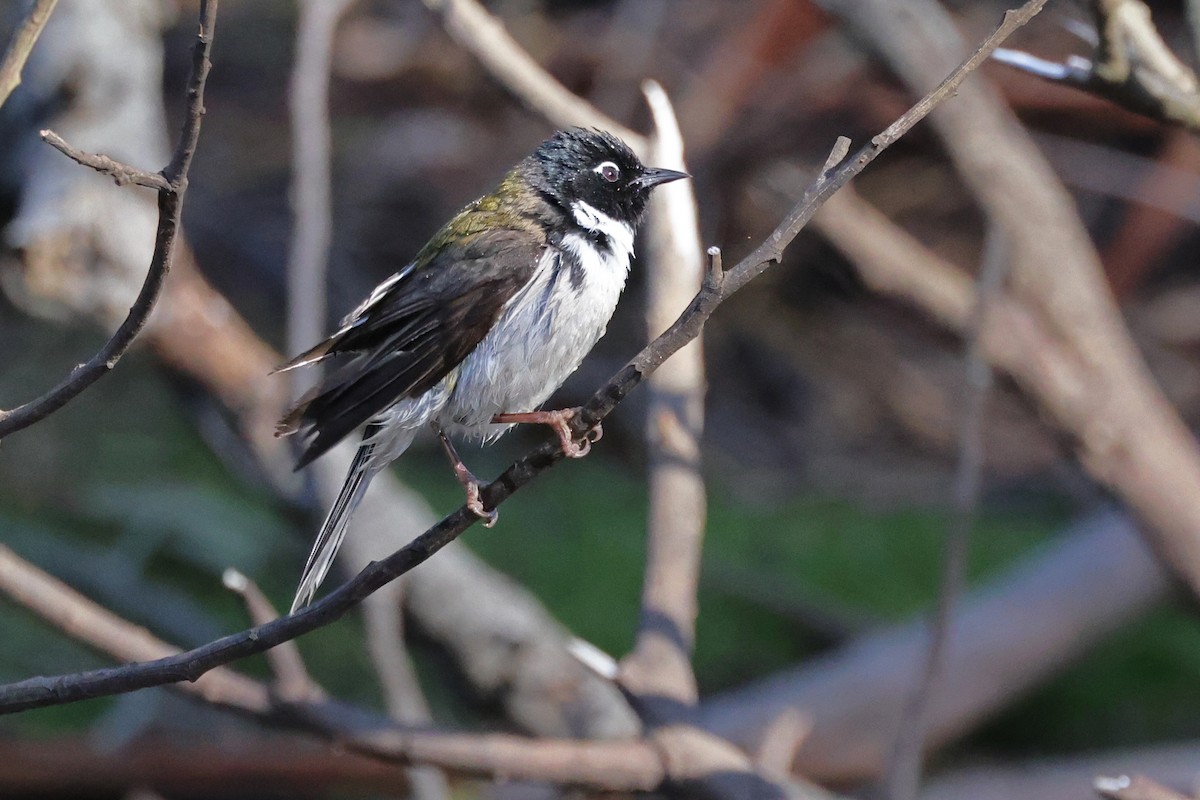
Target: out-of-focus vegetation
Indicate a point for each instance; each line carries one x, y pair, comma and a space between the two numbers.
831, 417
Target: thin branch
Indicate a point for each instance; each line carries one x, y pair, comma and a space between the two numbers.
188, 763
46, 691
904, 770
21, 45
308, 261
122, 174
782, 739
312, 219
170, 205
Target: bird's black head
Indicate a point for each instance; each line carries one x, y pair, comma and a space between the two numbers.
596, 168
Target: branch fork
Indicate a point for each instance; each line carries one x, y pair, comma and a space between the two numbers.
171, 185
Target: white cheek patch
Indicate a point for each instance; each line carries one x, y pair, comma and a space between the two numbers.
591, 218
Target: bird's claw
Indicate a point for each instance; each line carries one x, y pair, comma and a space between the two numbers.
574, 449
475, 506
571, 447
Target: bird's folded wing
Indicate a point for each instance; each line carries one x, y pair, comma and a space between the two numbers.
412, 332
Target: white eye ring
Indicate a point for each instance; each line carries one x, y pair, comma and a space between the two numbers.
609, 171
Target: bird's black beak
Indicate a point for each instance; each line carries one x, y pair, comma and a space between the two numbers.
653, 176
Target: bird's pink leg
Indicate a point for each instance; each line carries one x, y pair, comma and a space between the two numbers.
558, 420
467, 479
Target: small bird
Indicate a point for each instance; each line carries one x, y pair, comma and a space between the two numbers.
488, 320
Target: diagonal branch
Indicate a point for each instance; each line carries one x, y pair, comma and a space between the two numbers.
19, 48
610, 766
190, 665
170, 206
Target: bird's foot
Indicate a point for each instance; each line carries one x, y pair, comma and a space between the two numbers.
475, 504
559, 421
468, 481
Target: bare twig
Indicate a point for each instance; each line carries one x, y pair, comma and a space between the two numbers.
904, 770
21, 44
43, 691
384, 623
291, 676
170, 205
512, 66
1133, 66
312, 222
660, 665
402, 693
122, 174
312, 233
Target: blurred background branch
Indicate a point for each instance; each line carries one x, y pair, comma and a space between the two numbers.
21, 43
312, 222
904, 768
829, 435
659, 668
1133, 67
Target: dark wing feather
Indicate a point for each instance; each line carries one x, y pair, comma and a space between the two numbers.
403, 342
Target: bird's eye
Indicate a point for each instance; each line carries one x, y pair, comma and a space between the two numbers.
609, 171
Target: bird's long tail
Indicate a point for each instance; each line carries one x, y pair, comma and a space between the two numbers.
333, 529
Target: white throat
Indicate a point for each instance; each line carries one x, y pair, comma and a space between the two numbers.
619, 234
